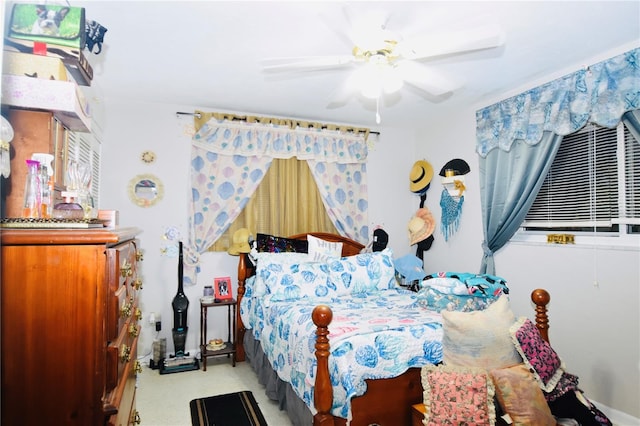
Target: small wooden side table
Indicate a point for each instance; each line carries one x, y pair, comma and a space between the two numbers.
417, 414
230, 344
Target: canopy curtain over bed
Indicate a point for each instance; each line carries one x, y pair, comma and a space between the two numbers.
230, 158
517, 138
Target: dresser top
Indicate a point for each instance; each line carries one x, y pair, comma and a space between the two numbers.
66, 236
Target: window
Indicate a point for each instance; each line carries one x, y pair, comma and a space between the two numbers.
287, 202
593, 185
86, 148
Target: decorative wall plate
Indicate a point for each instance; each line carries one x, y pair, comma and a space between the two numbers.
148, 157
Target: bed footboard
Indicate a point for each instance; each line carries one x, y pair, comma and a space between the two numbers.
323, 392
541, 298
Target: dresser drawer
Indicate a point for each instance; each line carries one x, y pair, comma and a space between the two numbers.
122, 398
121, 294
121, 354
134, 281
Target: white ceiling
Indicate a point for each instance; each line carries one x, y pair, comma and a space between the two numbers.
207, 53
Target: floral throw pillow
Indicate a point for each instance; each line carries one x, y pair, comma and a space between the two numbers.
542, 360
272, 244
457, 395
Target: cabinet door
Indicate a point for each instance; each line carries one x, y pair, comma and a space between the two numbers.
34, 131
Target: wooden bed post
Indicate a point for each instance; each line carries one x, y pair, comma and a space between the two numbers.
541, 299
323, 392
239, 337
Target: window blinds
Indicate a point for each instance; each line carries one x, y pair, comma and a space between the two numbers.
581, 189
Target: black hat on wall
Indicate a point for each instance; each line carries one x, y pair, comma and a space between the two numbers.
458, 165
380, 239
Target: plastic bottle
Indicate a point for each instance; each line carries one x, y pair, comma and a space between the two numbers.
46, 183
46, 195
32, 191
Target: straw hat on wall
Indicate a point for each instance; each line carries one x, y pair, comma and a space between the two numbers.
420, 176
421, 226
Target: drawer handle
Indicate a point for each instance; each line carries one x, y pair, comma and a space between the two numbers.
125, 353
135, 417
133, 331
126, 270
125, 310
138, 314
139, 256
138, 367
137, 284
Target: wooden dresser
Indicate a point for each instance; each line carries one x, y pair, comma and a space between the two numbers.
69, 326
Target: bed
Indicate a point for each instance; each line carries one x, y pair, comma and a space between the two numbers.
381, 398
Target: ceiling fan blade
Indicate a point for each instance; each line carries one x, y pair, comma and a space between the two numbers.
369, 29
425, 79
340, 27
445, 43
341, 95
306, 63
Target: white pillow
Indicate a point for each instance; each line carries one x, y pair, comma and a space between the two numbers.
480, 338
323, 251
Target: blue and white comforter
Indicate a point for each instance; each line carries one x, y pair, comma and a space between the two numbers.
377, 335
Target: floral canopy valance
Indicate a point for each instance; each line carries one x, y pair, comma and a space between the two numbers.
600, 94
282, 141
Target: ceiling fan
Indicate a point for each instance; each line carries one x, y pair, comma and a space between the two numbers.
382, 61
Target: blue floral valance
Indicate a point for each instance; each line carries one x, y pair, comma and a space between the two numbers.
281, 141
600, 94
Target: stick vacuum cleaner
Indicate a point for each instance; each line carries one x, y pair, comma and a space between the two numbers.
181, 360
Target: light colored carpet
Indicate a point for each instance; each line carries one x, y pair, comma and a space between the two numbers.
163, 400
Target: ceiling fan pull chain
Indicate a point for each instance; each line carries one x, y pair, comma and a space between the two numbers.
378, 110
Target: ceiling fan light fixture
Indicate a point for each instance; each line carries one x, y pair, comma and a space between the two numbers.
392, 82
375, 78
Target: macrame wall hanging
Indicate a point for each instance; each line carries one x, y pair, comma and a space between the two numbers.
452, 198
451, 211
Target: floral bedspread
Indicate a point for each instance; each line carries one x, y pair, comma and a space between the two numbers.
378, 335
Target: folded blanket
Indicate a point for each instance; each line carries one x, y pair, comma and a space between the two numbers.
460, 291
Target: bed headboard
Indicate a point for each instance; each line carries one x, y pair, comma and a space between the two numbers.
247, 269
349, 246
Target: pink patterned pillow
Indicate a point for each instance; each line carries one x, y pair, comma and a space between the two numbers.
457, 395
537, 354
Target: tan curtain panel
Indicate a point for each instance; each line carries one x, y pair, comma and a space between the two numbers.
287, 202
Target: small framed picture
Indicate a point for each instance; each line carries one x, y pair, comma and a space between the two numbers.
222, 288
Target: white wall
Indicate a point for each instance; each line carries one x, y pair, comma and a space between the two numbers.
595, 329
133, 127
